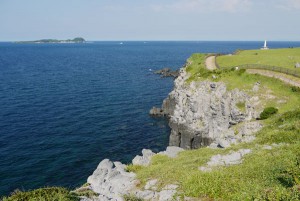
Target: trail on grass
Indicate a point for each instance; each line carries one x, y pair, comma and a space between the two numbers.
281, 76
210, 63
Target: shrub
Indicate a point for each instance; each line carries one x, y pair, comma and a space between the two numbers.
295, 89
241, 71
269, 111
43, 194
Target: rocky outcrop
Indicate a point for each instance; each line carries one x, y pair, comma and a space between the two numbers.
201, 113
145, 159
167, 72
110, 181
233, 158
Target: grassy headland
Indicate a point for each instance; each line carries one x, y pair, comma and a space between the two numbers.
286, 58
264, 174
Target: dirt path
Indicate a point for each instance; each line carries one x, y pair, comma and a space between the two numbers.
281, 76
210, 63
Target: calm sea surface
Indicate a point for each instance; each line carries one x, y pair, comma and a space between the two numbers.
65, 107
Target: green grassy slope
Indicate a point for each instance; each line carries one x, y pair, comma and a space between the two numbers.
286, 58
264, 174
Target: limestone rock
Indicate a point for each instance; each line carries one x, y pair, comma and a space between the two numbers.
145, 159
233, 158
256, 87
166, 195
200, 112
150, 185
157, 112
111, 181
171, 151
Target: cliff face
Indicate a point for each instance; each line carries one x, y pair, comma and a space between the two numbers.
203, 113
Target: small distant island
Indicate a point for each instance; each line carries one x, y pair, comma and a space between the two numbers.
75, 40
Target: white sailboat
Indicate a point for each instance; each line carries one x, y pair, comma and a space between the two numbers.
265, 47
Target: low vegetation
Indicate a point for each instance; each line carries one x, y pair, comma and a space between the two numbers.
43, 194
132, 198
268, 112
286, 58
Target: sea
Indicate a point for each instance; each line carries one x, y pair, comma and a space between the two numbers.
66, 107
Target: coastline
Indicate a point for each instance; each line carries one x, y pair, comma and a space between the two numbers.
204, 115
228, 117
113, 181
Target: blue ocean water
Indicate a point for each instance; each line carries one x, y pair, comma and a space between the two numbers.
65, 107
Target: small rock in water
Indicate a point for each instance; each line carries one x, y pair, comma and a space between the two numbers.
167, 72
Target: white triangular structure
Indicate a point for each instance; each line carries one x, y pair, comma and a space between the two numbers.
265, 47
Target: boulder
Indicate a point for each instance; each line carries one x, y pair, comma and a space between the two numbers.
171, 151
233, 158
111, 181
145, 159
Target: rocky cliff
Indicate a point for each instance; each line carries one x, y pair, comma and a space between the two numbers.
200, 114
204, 113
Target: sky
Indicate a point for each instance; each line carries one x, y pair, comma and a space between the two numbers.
105, 20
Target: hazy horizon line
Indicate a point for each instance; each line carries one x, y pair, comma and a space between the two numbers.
160, 40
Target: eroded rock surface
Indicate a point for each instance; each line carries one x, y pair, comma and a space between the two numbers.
111, 181
201, 113
233, 158
145, 159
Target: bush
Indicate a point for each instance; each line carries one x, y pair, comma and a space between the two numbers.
295, 89
42, 194
269, 111
241, 71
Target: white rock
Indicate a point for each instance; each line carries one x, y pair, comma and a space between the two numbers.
145, 159
170, 187
232, 158
147, 195
111, 181
171, 151
223, 143
150, 185
166, 195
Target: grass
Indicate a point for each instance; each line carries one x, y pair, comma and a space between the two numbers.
131, 198
264, 174
43, 194
286, 58
259, 173
241, 106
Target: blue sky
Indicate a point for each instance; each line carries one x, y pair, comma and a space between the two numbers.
150, 19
